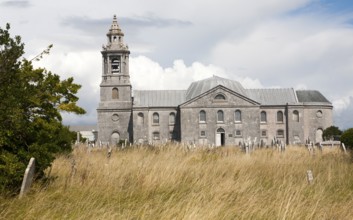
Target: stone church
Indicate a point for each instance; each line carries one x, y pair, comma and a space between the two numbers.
214, 110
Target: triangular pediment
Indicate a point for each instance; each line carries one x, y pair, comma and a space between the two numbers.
213, 97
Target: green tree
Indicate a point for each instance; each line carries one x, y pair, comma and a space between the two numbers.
30, 104
331, 132
347, 138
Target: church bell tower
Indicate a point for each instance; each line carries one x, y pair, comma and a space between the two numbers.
114, 110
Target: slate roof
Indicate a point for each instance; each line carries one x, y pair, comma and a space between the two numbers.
272, 96
174, 98
201, 86
158, 98
311, 96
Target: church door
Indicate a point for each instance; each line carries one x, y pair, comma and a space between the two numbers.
318, 136
220, 137
115, 138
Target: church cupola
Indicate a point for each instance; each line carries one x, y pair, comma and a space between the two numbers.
116, 55
115, 37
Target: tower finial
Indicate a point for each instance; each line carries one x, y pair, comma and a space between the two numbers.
114, 28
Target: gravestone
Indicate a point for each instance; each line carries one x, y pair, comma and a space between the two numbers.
28, 177
109, 154
73, 167
247, 151
310, 176
344, 148
78, 137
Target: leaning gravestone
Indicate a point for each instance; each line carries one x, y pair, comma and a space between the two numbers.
28, 177
344, 148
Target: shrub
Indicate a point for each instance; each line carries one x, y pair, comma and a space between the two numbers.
331, 133
347, 138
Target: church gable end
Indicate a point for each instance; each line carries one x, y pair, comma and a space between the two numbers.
220, 96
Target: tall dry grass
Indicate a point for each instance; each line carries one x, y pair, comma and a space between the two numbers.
172, 183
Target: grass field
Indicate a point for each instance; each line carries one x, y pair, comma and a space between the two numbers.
173, 183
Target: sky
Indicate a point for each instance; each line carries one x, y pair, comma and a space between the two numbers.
300, 44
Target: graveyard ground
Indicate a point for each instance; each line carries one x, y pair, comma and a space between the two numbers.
174, 183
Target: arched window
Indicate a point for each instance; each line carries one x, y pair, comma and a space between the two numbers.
296, 116
116, 64
318, 135
140, 118
220, 130
237, 116
220, 116
172, 118
263, 116
115, 138
155, 118
280, 116
220, 97
202, 116
115, 93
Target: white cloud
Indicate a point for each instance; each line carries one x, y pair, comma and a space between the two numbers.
292, 52
148, 74
343, 112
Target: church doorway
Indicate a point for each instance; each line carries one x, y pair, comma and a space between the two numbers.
115, 138
220, 137
318, 135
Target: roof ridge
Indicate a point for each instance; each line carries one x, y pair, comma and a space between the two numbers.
148, 90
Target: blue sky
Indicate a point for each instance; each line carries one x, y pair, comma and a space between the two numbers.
302, 44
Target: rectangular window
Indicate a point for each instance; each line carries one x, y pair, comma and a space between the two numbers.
263, 133
280, 133
238, 133
155, 135
203, 134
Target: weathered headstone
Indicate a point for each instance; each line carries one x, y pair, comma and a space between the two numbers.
73, 167
247, 151
283, 147
109, 154
310, 176
311, 148
344, 148
78, 137
28, 177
